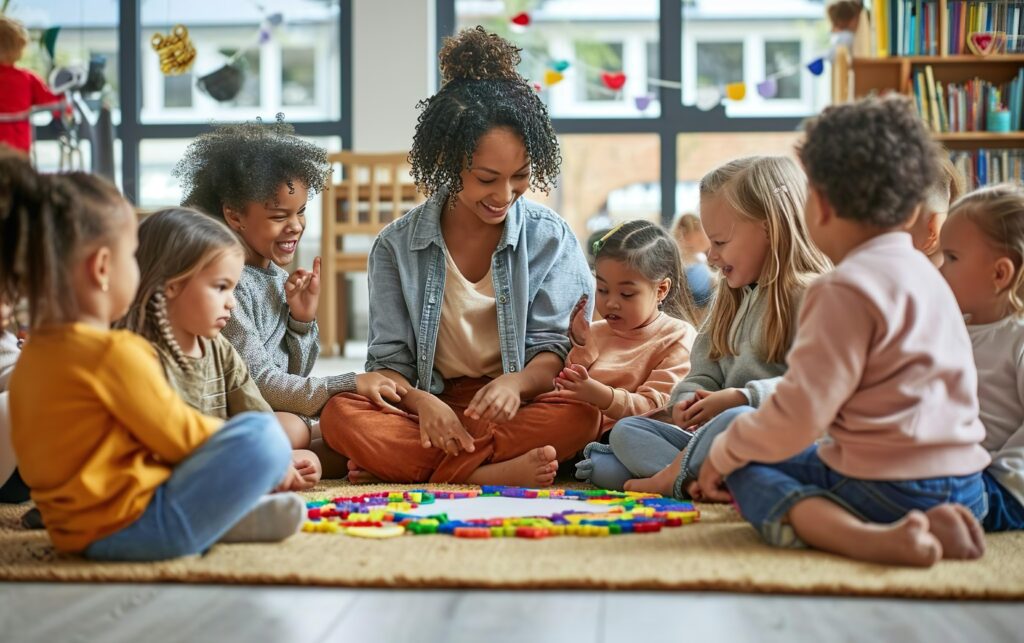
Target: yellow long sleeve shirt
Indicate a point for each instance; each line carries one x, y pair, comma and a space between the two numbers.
96, 429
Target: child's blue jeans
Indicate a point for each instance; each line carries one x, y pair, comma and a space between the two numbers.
1005, 512
765, 493
207, 493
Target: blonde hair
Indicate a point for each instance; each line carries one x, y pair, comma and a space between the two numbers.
687, 223
769, 189
174, 245
13, 39
998, 211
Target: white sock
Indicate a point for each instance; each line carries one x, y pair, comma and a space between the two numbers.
274, 518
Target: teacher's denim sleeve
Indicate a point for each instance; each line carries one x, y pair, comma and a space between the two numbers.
391, 344
563, 275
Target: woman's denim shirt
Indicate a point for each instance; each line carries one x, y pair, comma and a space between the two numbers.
539, 273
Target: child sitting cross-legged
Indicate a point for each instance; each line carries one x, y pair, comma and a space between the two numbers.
870, 445
189, 265
119, 466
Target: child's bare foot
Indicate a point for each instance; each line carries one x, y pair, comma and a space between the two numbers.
360, 476
661, 482
958, 530
536, 468
905, 542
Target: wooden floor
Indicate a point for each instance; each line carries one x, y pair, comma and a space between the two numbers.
153, 613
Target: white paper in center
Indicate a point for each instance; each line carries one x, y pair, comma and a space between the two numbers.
501, 507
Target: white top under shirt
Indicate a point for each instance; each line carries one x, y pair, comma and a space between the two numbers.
467, 340
999, 355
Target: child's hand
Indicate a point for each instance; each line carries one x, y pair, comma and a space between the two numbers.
574, 383
679, 411
579, 325
302, 293
709, 405
379, 389
440, 427
693, 490
498, 401
711, 484
294, 480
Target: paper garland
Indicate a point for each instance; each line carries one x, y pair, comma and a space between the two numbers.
707, 97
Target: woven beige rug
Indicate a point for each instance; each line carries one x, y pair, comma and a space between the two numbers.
719, 553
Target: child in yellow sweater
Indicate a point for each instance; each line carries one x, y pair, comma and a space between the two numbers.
119, 466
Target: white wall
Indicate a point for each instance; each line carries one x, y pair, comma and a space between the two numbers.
393, 69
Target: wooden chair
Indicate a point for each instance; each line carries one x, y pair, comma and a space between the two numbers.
371, 191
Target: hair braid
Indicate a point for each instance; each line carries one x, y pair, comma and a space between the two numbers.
158, 310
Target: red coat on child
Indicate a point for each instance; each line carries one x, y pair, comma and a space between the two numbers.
21, 90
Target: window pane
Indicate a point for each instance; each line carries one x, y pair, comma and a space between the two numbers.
298, 80
294, 67
591, 36
719, 63
729, 42
597, 58
784, 58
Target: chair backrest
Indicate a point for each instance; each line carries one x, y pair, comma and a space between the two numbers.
371, 191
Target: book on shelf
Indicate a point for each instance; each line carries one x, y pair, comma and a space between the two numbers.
913, 27
965, 107
989, 166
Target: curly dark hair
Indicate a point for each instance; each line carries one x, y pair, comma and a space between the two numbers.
873, 160
248, 162
481, 90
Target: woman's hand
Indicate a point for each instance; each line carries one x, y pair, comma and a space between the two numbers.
440, 427
498, 401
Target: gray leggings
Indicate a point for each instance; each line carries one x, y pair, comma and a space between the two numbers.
638, 448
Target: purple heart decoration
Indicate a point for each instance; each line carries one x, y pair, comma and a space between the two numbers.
643, 102
264, 36
816, 66
768, 88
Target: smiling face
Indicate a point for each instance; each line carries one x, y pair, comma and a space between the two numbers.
625, 298
739, 246
201, 304
271, 230
498, 176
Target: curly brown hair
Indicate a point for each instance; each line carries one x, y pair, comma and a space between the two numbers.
248, 162
481, 90
873, 160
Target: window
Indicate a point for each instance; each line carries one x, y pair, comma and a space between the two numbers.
291, 67
784, 58
596, 59
653, 58
719, 64
298, 77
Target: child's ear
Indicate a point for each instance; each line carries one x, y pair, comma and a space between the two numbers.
824, 212
664, 287
173, 289
1003, 273
233, 218
935, 221
98, 268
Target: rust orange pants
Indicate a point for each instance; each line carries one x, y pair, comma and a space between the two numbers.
389, 447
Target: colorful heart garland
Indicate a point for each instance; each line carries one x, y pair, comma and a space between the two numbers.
613, 81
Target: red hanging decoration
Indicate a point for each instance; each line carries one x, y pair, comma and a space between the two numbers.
613, 81
521, 19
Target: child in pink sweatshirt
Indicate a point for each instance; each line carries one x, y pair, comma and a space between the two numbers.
881, 371
627, 363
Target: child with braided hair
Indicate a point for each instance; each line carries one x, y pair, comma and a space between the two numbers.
189, 265
119, 466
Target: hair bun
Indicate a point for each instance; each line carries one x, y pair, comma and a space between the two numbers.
476, 54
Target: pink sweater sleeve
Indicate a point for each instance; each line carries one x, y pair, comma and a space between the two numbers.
655, 391
825, 367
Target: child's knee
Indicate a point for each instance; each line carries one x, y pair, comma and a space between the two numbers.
260, 441
625, 432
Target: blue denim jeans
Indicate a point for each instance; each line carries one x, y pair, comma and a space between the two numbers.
765, 493
207, 493
1005, 513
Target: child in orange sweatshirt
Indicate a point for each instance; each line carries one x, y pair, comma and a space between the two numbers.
627, 363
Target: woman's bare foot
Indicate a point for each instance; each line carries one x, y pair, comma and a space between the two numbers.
661, 482
536, 468
958, 530
360, 476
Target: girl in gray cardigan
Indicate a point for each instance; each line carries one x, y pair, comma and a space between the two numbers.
751, 209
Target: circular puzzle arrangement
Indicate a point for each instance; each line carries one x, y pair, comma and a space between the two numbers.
389, 514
